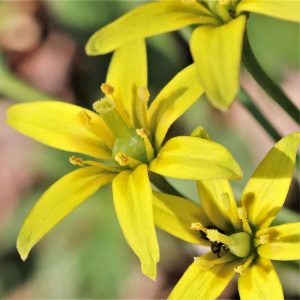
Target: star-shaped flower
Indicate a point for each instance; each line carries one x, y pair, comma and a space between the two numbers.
216, 42
240, 238
125, 142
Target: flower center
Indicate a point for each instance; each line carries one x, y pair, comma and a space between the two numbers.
239, 244
132, 146
223, 9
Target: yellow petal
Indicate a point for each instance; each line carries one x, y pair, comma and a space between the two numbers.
147, 20
283, 9
174, 99
217, 53
260, 281
219, 204
175, 215
63, 126
195, 158
127, 72
284, 242
57, 202
199, 283
267, 188
134, 207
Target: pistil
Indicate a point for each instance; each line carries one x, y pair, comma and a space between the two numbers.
108, 112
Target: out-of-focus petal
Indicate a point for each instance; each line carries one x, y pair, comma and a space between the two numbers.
217, 53
288, 10
147, 20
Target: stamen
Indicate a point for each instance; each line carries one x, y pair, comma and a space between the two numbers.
108, 112
264, 239
239, 269
106, 89
122, 159
215, 236
198, 226
125, 160
140, 107
149, 149
76, 161
84, 117
144, 94
242, 213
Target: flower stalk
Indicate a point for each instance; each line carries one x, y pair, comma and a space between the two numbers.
269, 86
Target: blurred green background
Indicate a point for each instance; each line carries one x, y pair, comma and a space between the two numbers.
86, 256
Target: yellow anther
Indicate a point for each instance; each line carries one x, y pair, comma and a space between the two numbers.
198, 226
143, 94
242, 213
122, 159
239, 269
264, 239
76, 161
84, 117
106, 89
224, 2
149, 149
142, 133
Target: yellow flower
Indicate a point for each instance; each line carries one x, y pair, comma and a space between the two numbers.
127, 138
240, 238
216, 42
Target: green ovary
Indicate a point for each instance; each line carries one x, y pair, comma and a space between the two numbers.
132, 145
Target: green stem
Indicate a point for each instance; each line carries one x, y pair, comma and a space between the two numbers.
17, 89
163, 185
259, 117
270, 87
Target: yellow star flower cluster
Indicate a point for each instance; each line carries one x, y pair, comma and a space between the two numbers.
125, 139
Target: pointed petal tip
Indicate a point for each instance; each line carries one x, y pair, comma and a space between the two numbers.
150, 273
23, 252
